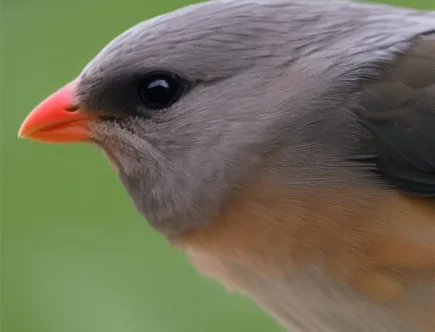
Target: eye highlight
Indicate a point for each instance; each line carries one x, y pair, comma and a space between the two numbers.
161, 89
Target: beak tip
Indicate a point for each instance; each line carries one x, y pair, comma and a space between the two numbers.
23, 132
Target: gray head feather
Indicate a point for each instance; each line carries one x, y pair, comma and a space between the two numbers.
268, 78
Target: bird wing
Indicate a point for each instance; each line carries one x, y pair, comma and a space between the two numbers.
399, 111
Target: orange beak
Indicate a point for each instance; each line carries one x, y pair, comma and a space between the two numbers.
57, 119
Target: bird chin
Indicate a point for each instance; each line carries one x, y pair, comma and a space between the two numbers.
112, 161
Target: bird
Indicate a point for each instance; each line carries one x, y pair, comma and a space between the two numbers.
286, 146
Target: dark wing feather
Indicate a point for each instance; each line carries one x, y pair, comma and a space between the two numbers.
399, 110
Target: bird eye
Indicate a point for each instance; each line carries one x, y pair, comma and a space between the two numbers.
160, 90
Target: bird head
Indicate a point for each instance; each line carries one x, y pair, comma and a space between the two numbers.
189, 105
175, 103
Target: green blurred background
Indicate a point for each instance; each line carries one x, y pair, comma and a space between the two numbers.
76, 257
